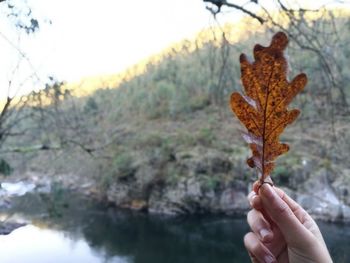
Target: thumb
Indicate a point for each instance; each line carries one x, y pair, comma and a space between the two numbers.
283, 216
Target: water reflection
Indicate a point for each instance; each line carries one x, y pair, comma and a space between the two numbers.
84, 231
151, 239
128, 238
31, 244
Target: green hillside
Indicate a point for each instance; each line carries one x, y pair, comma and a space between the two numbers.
171, 123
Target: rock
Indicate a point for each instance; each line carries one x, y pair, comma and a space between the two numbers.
7, 227
193, 189
233, 201
124, 192
201, 160
164, 201
138, 205
321, 208
17, 189
345, 213
341, 186
182, 198
320, 200
145, 175
118, 194
190, 197
5, 203
198, 181
184, 186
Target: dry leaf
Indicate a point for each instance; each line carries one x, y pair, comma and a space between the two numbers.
263, 107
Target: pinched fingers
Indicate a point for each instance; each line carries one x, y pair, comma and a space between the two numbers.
254, 198
258, 251
259, 225
284, 215
269, 234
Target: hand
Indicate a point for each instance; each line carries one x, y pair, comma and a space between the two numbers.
282, 231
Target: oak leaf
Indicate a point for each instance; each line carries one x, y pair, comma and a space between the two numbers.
263, 107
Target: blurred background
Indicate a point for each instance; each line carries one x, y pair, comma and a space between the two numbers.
117, 139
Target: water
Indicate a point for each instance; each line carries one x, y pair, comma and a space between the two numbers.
337, 237
82, 231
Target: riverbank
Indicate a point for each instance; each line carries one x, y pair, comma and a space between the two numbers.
195, 192
193, 165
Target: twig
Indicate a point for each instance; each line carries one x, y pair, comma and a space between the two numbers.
220, 3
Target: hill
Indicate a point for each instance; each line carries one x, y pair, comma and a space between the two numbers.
161, 136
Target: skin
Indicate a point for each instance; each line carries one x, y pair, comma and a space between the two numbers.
281, 230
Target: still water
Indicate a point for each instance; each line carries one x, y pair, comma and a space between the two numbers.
80, 231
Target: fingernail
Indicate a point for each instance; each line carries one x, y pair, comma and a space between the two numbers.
250, 194
251, 197
269, 259
264, 233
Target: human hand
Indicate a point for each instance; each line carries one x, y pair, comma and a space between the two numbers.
282, 231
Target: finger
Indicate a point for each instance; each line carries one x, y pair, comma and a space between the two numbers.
257, 249
298, 211
254, 200
256, 186
259, 225
283, 258
280, 212
251, 195
278, 244
301, 214
252, 258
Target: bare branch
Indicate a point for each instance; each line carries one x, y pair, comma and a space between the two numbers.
33, 148
220, 3
5, 109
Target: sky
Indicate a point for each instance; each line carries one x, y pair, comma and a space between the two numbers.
80, 38
88, 38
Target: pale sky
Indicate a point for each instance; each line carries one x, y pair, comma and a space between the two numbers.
97, 37
89, 37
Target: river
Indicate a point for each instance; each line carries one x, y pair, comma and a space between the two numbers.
68, 228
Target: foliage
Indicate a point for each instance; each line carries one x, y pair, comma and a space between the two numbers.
282, 174
5, 168
263, 108
20, 15
211, 182
205, 137
55, 202
122, 164
91, 106
191, 81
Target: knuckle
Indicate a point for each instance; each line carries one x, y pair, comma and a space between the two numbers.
256, 202
250, 215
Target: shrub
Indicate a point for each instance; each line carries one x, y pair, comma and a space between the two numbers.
5, 168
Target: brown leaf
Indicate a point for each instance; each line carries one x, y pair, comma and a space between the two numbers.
263, 108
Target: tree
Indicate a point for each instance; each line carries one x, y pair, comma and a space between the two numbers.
294, 20
321, 34
12, 108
